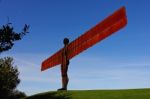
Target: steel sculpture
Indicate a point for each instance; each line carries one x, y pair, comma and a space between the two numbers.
108, 26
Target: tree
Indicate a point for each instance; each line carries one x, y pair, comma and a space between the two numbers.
8, 79
9, 73
8, 36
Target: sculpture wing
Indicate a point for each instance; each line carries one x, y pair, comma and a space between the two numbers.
102, 30
99, 32
52, 61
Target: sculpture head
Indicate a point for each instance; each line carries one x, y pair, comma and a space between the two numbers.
66, 41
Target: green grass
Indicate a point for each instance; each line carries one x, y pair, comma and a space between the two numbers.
95, 94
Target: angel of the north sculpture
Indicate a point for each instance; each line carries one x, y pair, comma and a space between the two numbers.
108, 26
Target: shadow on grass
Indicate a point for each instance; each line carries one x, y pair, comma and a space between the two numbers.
51, 95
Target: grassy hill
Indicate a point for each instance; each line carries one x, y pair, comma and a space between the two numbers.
94, 94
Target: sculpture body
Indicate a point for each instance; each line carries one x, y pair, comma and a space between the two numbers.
64, 65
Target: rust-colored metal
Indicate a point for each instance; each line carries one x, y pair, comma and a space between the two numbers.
108, 26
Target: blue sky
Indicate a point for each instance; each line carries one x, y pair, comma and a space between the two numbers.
120, 61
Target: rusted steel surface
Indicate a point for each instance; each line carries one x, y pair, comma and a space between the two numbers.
108, 26
52, 61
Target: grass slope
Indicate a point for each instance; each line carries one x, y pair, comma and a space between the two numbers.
95, 94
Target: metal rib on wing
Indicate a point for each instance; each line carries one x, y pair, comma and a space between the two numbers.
102, 30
